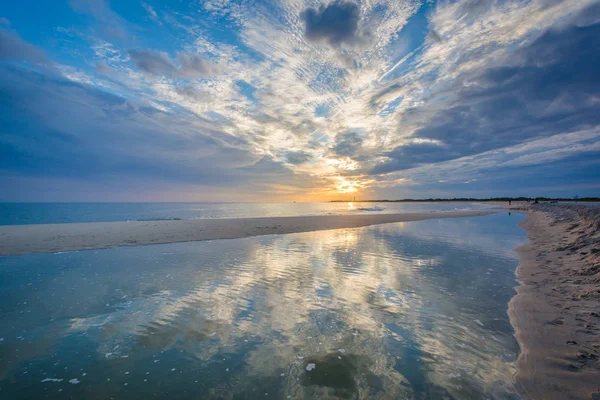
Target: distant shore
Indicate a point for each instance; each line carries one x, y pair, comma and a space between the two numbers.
556, 311
476, 200
51, 238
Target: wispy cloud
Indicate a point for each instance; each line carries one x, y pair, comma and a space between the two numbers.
151, 12
110, 24
160, 64
375, 96
13, 48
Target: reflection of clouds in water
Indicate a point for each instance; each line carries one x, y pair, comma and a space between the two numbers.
467, 234
270, 300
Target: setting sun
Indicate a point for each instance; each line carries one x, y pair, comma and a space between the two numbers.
347, 186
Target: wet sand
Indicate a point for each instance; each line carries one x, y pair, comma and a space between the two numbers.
51, 238
556, 312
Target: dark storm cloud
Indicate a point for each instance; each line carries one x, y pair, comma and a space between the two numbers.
160, 64
548, 87
335, 23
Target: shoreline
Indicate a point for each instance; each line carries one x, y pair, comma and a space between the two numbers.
556, 310
51, 238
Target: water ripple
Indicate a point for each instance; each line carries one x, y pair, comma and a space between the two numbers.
407, 310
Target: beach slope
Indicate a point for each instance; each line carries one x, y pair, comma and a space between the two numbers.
556, 312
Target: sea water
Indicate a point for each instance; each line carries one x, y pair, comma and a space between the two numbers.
398, 311
57, 213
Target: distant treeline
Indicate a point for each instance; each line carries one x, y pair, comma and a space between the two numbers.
466, 199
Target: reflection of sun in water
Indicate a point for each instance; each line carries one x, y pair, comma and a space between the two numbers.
351, 206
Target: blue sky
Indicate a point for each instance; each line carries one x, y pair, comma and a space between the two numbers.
298, 100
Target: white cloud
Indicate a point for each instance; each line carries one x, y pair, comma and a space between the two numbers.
151, 12
387, 90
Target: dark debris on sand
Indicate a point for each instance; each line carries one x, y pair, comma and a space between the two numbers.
570, 276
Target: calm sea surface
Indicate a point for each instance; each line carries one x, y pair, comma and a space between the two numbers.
57, 213
399, 311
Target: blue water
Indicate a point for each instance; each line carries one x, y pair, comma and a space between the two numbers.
399, 311
57, 213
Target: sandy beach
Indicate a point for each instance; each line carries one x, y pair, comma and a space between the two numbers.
50, 238
556, 312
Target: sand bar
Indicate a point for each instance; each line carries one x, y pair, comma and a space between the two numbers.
50, 238
556, 312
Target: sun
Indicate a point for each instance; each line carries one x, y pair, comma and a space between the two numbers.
347, 186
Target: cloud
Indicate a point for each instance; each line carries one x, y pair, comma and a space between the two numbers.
297, 157
56, 129
545, 88
160, 64
4, 22
151, 12
550, 156
589, 16
474, 9
153, 62
102, 68
13, 48
112, 24
190, 91
194, 66
398, 109
562, 160
347, 144
335, 23
435, 36
412, 155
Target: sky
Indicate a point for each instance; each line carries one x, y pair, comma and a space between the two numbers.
295, 100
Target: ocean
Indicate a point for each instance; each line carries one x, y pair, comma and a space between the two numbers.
58, 213
398, 311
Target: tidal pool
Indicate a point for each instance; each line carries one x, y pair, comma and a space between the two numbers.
399, 311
